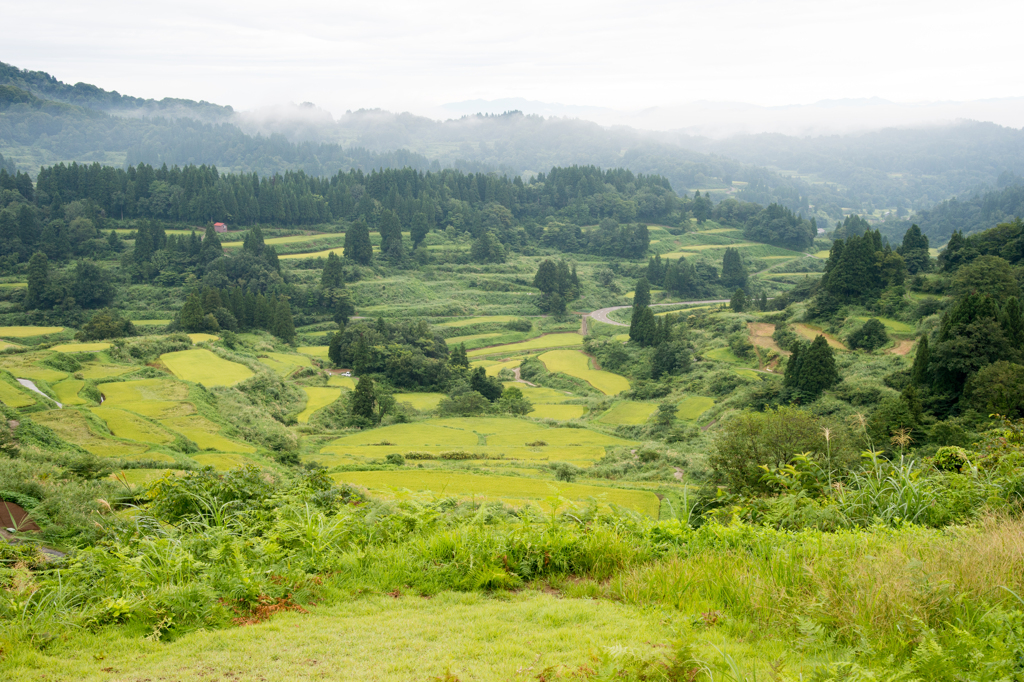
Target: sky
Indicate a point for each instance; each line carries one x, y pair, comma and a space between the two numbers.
417, 55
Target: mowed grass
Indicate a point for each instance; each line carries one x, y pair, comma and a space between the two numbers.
469, 635
477, 320
576, 364
513, 490
626, 412
692, 407
559, 412
538, 343
15, 397
317, 398
132, 427
25, 332
203, 366
80, 347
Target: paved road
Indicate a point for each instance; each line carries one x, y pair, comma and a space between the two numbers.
602, 314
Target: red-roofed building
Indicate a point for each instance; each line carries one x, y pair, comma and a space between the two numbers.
220, 227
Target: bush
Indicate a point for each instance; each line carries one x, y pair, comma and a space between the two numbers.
519, 325
458, 455
395, 458
419, 454
871, 336
62, 362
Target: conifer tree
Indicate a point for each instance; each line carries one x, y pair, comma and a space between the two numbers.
358, 247
253, 242
811, 370
641, 301
919, 372
646, 329
459, 357
192, 317
364, 399
738, 303
391, 236
333, 276
419, 229
284, 326
38, 277
211, 248
734, 274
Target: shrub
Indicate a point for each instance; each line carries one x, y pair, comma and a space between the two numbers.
419, 454
395, 458
871, 336
458, 455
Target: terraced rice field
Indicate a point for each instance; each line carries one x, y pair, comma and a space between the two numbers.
203, 366
576, 364
343, 382
131, 394
810, 333
131, 427
540, 394
692, 407
72, 426
144, 476
456, 340
761, 335
294, 239
80, 347
283, 363
203, 338
317, 398
315, 351
150, 323
425, 402
725, 355
538, 343
627, 412
23, 366
515, 491
222, 461
205, 434
477, 320
315, 254
559, 412
102, 371
494, 368
14, 397
27, 332
67, 391
891, 325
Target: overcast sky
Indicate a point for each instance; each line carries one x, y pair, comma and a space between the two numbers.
627, 55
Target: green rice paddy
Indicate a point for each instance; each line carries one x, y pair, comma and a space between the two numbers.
538, 343
692, 407
315, 351
559, 412
67, 391
343, 382
456, 340
477, 320
132, 427
511, 490
425, 402
14, 397
203, 366
80, 347
339, 251
576, 364
626, 412
28, 331
317, 397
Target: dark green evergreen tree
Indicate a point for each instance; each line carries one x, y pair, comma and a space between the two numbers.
284, 325
419, 230
811, 370
919, 373
333, 275
38, 278
459, 357
364, 400
391, 236
358, 247
486, 386
192, 318
734, 274
211, 249
914, 250
738, 302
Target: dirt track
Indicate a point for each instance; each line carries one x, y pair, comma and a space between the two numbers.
602, 314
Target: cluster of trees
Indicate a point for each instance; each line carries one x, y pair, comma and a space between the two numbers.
407, 354
779, 226
809, 371
609, 239
558, 284
234, 309
857, 271
86, 286
1005, 240
698, 280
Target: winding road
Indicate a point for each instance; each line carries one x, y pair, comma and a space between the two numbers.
602, 314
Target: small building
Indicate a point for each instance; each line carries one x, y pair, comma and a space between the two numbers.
220, 227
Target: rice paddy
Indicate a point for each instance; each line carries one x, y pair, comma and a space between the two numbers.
425, 402
891, 325
559, 412
131, 393
315, 351
205, 434
67, 391
576, 364
342, 381
222, 461
283, 363
456, 340
725, 355
493, 369
25, 332
537, 343
540, 394
132, 427
626, 412
317, 397
73, 426
80, 347
477, 320
692, 407
339, 251
203, 366
14, 397
810, 332
511, 490
203, 338
102, 371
